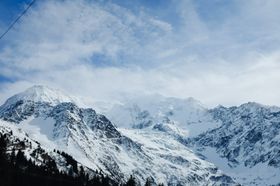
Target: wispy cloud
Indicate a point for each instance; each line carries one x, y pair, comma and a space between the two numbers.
103, 51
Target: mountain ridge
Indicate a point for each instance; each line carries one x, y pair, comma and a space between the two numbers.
159, 132
94, 141
40, 93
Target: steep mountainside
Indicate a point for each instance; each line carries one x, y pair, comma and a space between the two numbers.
242, 141
94, 141
248, 138
18, 140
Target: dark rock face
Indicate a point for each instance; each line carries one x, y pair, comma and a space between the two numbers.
21, 110
252, 129
225, 180
143, 120
64, 114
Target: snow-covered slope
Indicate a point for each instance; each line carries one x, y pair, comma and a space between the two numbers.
18, 139
248, 141
58, 123
242, 141
173, 161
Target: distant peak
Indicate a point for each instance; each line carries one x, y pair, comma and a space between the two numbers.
41, 90
38, 87
252, 104
40, 93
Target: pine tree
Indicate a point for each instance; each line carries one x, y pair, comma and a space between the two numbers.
20, 159
70, 172
106, 181
148, 182
131, 181
13, 157
3, 146
82, 172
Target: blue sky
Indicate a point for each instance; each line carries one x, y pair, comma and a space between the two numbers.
9, 9
220, 52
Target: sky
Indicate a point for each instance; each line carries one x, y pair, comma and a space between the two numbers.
219, 52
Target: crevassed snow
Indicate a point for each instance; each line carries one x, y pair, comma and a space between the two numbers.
188, 114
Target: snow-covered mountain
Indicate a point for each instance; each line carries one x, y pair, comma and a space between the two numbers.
53, 121
19, 140
246, 145
242, 141
153, 110
40, 93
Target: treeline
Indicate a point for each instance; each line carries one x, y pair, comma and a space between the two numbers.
17, 170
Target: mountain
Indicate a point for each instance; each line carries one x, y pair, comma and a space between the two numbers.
241, 141
246, 144
24, 162
149, 111
39, 93
54, 121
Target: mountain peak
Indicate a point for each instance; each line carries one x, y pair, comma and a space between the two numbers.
40, 93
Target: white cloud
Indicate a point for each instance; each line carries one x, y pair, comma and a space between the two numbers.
102, 51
